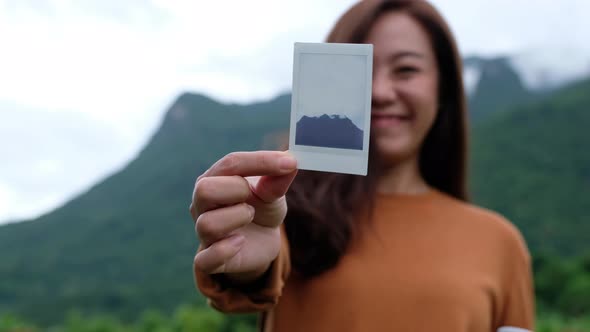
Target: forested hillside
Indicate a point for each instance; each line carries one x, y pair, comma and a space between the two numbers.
127, 244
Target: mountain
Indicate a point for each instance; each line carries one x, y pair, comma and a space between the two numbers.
497, 87
329, 131
497, 84
532, 164
128, 243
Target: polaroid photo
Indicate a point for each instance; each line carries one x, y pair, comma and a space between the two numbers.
331, 107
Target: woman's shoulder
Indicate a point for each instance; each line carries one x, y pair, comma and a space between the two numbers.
489, 223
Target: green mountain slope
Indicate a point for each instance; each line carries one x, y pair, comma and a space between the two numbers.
533, 165
499, 87
128, 243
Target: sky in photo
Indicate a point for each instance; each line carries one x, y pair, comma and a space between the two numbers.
333, 85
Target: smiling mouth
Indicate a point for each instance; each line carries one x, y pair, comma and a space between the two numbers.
386, 120
391, 117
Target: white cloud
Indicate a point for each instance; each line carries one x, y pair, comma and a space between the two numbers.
532, 66
471, 76
84, 83
506, 26
7, 201
49, 156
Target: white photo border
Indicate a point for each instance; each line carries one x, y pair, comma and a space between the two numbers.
323, 158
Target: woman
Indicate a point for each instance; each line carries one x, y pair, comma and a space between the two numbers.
400, 249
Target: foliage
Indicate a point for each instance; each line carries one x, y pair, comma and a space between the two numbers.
184, 319
197, 319
553, 322
563, 285
127, 244
532, 165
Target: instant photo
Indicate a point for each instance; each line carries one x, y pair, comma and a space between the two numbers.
331, 106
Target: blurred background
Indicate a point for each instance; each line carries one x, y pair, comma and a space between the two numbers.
110, 109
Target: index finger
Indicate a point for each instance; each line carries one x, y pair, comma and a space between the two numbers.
256, 163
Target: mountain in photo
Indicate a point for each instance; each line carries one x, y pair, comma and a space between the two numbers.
329, 131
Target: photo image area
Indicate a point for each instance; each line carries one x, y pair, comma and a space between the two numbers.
331, 101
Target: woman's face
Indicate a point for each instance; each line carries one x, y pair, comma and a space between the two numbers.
405, 86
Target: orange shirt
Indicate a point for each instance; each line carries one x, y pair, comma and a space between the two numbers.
424, 263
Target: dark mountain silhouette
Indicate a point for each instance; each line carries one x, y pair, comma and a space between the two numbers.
329, 131
499, 88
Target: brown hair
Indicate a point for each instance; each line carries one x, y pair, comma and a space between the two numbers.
325, 208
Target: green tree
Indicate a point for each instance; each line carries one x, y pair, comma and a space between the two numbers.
194, 319
12, 323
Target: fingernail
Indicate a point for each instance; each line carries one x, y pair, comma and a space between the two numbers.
287, 163
236, 240
252, 211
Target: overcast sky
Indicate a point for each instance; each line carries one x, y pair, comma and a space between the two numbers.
83, 84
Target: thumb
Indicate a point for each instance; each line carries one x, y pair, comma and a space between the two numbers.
270, 188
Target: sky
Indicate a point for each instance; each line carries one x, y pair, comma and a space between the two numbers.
84, 84
333, 85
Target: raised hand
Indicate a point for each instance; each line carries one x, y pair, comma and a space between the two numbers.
238, 205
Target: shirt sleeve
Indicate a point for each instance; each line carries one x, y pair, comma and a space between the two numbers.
518, 312
259, 296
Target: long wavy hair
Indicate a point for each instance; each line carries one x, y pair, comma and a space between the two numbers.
325, 208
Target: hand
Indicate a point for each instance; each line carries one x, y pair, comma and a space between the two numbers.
238, 205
